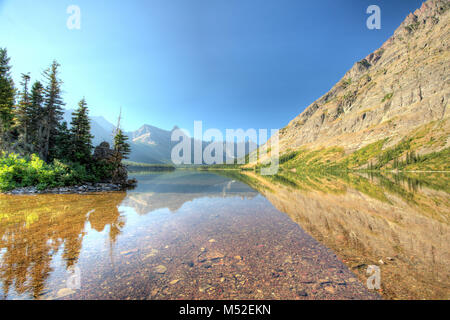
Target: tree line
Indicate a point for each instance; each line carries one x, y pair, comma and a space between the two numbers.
31, 121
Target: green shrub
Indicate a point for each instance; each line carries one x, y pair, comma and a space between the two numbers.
17, 172
288, 156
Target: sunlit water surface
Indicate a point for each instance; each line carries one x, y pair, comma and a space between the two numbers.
195, 235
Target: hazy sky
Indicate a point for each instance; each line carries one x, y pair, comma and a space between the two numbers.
230, 63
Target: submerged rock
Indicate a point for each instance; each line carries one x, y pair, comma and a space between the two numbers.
160, 269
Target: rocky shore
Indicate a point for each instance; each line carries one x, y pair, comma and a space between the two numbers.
79, 189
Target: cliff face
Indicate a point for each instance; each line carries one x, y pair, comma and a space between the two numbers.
392, 92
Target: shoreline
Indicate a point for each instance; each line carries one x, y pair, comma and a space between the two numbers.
109, 187
84, 188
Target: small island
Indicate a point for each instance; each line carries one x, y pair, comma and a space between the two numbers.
40, 153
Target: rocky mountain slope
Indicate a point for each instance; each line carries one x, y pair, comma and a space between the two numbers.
398, 93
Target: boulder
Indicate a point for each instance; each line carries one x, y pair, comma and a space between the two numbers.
103, 152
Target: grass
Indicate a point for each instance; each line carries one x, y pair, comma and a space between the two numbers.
412, 153
435, 161
387, 97
139, 166
363, 155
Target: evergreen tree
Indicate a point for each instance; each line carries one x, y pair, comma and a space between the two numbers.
81, 134
120, 144
23, 117
36, 117
121, 147
53, 104
7, 99
63, 143
121, 151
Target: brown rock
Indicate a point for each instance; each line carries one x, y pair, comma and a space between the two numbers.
160, 269
214, 255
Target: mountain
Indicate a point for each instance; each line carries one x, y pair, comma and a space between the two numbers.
172, 190
101, 129
388, 107
149, 144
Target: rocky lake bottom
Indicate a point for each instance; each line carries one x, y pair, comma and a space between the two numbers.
204, 235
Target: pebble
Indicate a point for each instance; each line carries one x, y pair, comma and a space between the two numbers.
204, 288
302, 293
128, 252
214, 255
152, 253
330, 290
288, 260
160, 269
64, 292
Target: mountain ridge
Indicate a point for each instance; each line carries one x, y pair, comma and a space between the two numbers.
149, 144
394, 91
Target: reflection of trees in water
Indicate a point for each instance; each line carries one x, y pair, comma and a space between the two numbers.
411, 187
412, 181
33, 229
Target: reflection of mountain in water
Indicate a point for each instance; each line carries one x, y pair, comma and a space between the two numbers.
172, 190
399, 223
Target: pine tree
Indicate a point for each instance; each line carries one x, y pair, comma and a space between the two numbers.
22, 112
81, 134
121, 151
120, 144
63, 143
121, 147
7, 99
36, 115
53, 104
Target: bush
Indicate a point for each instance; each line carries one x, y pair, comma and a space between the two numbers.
289, 156
16, 172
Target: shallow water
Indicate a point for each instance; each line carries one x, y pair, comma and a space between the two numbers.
203, 235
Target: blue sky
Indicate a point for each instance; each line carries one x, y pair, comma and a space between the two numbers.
230, 63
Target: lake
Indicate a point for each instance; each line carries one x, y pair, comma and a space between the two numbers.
231, 235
